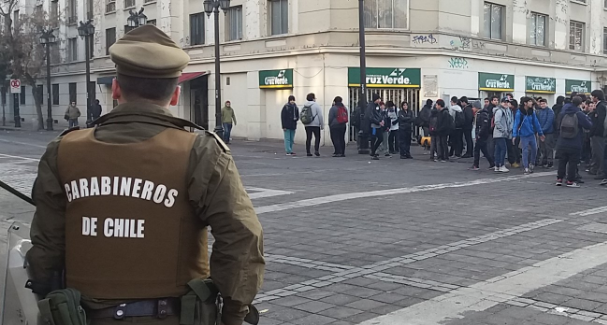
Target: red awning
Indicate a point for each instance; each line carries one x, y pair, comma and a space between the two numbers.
190, 76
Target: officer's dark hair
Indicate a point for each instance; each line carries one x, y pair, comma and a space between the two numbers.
440, 103
598, 94
154, 89
576, 101
338, 99
310, 97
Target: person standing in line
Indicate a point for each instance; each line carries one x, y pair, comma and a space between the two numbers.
311, 117
527, 126
501, 134
96, 110
72, 113
597, 134
228, 118
456, 137
289, 117
377, 121
432, 131
338, 119
393, 136
545, 116
383, 147
483, 129
493, 105
467, 129
424, 117
514, 154
588, 108
571, 124
405, 119
445, 127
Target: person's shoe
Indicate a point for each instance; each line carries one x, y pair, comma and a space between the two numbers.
435, 160
573, 184
474, 168
289, 154
317, 154
375, 158
531, 167
467, 156
444, 161
403, 157
293, 154
387, 154
496, 169
309, 154
559, 182
516, 165
590, 172
603, 182
409, 157
335, 155
550, 165
503, 169
527, 171
491, 167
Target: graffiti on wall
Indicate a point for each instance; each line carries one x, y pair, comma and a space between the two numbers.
424, 39
458, 63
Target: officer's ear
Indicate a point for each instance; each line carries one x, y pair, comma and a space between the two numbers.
175, 96
116, 91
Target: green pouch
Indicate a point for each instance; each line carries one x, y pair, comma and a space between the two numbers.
62, 307
198, 306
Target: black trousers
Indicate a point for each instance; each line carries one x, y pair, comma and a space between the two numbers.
469, 143
482, 145
443, 147
404, 140
376, 140
337, 137
312, 130
393, 140
514, 153
569, 158
456, 140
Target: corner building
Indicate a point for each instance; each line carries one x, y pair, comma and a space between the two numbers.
416, 49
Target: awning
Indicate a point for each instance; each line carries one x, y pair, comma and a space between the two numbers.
191, 76
105, 80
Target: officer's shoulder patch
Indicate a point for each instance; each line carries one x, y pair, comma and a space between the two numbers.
66, 131
219, 140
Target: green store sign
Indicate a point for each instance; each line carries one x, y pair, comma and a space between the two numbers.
540, 85
495, 82
578, 86
276, 79
387, 77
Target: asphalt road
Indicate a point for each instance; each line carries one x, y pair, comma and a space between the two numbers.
350, 240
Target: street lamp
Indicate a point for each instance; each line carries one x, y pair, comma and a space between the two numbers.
212, 6
136, 19
87, 30
363, 147
47, 39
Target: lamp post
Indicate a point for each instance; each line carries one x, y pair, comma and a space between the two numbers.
47, 39
87, 30
136, 18
212, 6
363, 139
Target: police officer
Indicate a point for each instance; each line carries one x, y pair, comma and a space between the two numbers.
123, 208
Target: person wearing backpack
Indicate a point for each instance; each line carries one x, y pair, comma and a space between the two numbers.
571, 123
526, 126
502, 132
289, 117
432, 131
338, 120
545, 115
467, 129
456, 137
311, 117
423, 119
483, 130
404, 124
597, 131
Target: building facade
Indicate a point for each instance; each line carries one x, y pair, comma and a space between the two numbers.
416, 49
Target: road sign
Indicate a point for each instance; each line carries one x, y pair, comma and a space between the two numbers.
15, 86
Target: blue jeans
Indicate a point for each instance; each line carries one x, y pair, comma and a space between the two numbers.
500, 151
289, 139
72, 123
227, 132
529, 145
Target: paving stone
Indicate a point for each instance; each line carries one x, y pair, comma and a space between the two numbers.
340, 312
291, 301
365, 304
583, 304
339, 299
314, 320
314, 306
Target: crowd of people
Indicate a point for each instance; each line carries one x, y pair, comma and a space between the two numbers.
505, 131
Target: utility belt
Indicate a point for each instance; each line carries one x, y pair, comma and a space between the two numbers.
201, 305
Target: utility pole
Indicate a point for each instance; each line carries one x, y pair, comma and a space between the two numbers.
362, 96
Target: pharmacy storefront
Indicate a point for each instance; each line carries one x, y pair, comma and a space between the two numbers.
494, 84
578, 86
392, 84
536, 87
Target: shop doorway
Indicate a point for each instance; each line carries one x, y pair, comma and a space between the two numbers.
199, 101
397, 95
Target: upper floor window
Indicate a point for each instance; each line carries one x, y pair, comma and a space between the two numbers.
279, 10
494, 20
110, 6
197, 29
129, 3
538, 24
110, 39
386, 13
234, 24
576, 35
605, 40
72, 54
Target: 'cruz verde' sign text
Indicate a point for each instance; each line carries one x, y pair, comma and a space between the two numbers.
495, 82
540, 85
578, 86
276, 79
386, 77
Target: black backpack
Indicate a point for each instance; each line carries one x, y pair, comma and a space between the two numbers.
460, 120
